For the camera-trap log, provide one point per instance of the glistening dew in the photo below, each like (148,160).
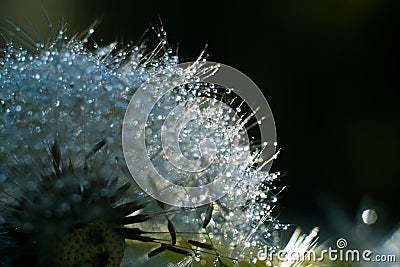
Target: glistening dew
(67,198)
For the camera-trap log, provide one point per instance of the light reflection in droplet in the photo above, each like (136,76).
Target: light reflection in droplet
(369,216)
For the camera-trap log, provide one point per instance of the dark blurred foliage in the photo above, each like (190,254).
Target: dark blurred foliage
(329,69)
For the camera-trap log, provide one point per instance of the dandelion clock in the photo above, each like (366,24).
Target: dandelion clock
(120,156)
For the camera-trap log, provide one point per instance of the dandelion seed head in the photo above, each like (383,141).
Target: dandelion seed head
(55,106)
(62,215)
(66,86)
(84,244)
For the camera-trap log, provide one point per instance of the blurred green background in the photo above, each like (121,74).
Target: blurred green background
(329,69)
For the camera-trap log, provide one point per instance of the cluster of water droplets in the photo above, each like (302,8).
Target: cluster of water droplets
(200,146)
(64,92)
(244,220)
(77,96)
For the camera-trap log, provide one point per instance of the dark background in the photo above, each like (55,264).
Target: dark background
(329,70)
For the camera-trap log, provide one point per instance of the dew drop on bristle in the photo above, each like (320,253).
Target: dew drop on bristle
(61,114)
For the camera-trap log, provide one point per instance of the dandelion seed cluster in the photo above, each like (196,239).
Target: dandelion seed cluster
(64,187)
(66,92)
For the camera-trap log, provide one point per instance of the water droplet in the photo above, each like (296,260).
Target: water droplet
(253,259)
(369,216)
(215,261)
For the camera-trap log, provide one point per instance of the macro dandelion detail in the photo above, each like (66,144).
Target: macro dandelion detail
(68,217)
(67,196)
